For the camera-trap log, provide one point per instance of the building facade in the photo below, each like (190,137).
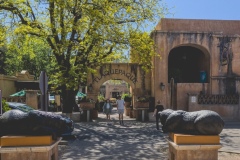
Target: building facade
(199,65)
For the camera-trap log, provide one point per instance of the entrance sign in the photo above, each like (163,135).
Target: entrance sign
(43,85)
(130,76)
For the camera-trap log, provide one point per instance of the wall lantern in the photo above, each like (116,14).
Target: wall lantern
(90,87)
(162,86)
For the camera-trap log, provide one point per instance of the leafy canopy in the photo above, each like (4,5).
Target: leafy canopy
(81,34)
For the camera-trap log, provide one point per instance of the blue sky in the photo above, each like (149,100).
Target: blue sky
(204,9)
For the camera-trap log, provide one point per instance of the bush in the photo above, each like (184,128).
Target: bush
(5,106)
(127,97)
(101,98)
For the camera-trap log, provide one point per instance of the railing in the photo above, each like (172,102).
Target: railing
(15,99)
(218,99)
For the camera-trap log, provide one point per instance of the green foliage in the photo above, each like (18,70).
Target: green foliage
(5,106)
(2,50)
(34,58)
(80,34)
(101,98)
(142,49)
(127,97)
(143,99)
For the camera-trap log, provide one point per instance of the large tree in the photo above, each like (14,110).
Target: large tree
(82,34)
(2,49)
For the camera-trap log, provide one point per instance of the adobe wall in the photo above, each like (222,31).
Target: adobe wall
(227,112)
(183,90)
(193,25)
(7,85)
(204,35)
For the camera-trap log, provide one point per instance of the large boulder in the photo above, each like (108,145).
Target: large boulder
(204,122)
(16,122)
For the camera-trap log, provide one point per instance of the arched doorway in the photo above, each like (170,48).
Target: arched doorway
(185,63)
(188,72)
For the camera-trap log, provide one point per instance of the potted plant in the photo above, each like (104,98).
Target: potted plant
(101,100)
(142,102)
(127,99)
(87,103)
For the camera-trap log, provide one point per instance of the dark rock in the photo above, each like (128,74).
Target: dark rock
(16,122)
(204,122)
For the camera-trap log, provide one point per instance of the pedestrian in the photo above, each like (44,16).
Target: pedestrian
(107,108)
(159,107)
(120,109)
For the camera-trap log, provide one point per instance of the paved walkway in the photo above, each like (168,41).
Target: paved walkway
(103,139)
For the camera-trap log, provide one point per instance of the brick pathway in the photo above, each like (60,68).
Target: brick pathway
(103,140)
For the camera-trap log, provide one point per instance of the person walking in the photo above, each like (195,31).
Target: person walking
(107,108)
(159,107)
(120,109)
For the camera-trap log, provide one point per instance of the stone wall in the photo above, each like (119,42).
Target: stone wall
(183,90)
(7,85)
(226,111)
(192,25)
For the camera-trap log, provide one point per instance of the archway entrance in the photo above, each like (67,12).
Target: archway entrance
(131,73)
(111,90)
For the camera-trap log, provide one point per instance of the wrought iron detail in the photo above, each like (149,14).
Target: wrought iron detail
(218,99)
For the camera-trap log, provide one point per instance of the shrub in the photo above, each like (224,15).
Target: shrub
(127,97)
(5,106)
(143,99)
(101,98)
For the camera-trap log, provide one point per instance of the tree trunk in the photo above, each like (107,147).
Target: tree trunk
(69,102)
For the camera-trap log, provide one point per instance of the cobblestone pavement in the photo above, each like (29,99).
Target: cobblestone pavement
(103,139)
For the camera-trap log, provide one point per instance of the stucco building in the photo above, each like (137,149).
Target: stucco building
(198,69)
(199,65)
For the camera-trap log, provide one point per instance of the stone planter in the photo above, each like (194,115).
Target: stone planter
(127,104)
(134,113)
(94,114)
(87,105)
(131,113)
(128,110)
(141,105)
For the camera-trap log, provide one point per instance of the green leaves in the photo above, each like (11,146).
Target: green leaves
(80,35)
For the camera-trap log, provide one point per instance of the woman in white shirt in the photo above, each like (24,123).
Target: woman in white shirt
(120,108)
(107,108)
